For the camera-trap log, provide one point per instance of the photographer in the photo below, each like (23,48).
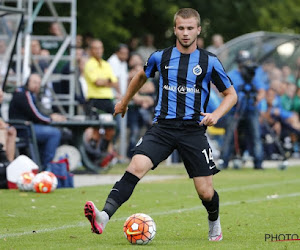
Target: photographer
(245,115)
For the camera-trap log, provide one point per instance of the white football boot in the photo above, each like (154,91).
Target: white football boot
(215,231)
(98,219)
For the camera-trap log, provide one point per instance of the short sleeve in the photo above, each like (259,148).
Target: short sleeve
(219,76)
(150,66)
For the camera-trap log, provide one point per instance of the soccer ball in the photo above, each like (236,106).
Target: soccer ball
(54,180)
(139,229)
(24,182)
(42,183)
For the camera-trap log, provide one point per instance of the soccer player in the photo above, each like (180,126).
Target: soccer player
(180,120)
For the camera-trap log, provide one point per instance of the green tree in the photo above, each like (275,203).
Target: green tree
(117,21)
(105,20)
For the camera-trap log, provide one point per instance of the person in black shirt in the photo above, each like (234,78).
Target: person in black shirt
(24,106)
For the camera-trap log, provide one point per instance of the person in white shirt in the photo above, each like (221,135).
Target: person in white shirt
(118,62)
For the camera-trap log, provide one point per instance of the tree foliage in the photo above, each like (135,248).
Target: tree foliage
(117,21)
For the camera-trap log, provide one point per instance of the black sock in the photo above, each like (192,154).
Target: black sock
(120,193)
(212,207)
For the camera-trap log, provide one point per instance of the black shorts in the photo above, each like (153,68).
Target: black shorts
(104,105)
(188,138)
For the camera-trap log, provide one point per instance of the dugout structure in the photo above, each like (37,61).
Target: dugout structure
(281,48)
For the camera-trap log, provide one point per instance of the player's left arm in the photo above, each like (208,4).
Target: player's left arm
(224,85)
(229,100)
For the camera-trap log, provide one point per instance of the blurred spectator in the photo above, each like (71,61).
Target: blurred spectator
(118,62)
(298,72)
(250,93)
(88,37)
(133,44)
(79,41)
(287,74)
(275,74)
(81,79)
(263,71)
(100,79)
(63,87)
(7,135)
(139,114)
(296,102)
(147,48)
(200,42)
(53,45)
(25,106)
(284,123)
(217,42)
(101,83)
(287,98)
(38,65)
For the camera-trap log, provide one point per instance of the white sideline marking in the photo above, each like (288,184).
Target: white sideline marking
(229,203)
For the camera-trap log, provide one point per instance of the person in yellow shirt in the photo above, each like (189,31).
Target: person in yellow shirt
(100,79)
(101,83)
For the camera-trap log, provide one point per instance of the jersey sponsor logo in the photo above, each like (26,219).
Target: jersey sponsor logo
(197,70)
(182,89)
(133,233)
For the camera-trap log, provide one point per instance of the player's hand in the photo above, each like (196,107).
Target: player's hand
(209,119)
(120,108)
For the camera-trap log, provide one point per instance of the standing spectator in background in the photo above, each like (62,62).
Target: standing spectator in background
(79,41)
(139,114)
(38,65)
(8,135)
(88,37)
(118,62)
(101,84)
(250,92)
(81,79)
(147,48)
(217,42)
(287,74)
(200,42)
(296,102)
(24,106)
(53,45)
(133,44)
(262,72)
(100,79)
(287,98)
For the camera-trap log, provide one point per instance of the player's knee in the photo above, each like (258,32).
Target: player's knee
(136,170)
(206,195)
(139,165)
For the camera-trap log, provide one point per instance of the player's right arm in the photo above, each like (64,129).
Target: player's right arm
(135,84)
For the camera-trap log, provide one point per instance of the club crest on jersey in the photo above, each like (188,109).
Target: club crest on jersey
(197,70)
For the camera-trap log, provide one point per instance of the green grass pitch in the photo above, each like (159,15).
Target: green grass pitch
(253,203)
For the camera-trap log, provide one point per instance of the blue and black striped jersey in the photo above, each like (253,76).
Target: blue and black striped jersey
(184,82)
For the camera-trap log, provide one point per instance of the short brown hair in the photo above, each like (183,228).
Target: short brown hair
(187,13)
